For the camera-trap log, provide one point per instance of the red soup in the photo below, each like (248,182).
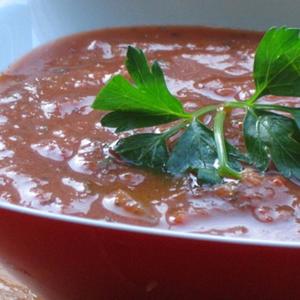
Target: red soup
(53,147)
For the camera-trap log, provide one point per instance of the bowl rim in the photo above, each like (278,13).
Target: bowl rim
(160,232)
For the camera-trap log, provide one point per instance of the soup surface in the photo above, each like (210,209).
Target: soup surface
(53,148)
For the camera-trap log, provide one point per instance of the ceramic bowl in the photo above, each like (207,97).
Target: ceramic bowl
(65,257)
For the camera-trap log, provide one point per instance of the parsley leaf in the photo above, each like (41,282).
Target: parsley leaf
(272,136)
(257,149)
(196,150)
(294,111)
(144,150)
(146,101)
(209,176)
(277,63)
(123,121)
(149,96)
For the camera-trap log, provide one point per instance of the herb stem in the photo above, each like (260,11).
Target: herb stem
(254,97)
(224,169)
(204,110)
(173,130)
(236,104)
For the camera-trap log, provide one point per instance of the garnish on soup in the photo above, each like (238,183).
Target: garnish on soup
(271,132)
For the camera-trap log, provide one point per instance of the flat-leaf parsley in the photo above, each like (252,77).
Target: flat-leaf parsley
(269,135)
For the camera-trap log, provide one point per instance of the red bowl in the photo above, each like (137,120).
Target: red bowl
(65,257)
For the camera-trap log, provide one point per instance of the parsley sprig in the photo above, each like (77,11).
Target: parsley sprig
(269,134)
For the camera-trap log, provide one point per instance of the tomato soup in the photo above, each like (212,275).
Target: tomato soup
(54,153)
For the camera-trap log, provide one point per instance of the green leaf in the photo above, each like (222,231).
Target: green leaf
(144,150)
(209,176)
(236,155)
(123,121)
(272,136)
(137,66)
(149,95)
(258,152)
(294,111)
(277,63)
(196,150)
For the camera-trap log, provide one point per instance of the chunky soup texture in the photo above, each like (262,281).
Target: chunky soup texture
(53,148)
